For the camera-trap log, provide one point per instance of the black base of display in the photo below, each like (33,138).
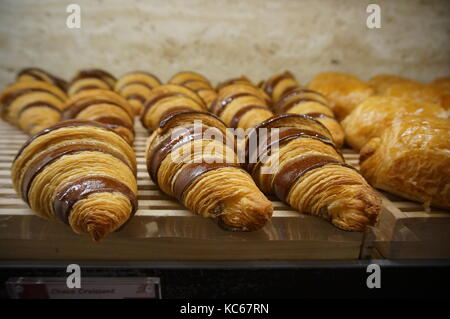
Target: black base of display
(262,279)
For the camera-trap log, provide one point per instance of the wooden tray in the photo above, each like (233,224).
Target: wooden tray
(163,230)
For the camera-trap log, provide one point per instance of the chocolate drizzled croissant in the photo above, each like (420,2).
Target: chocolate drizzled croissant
(36,74)
(168,99)
(189,158)
(32,105)
(303,101)
(103,106)
(197,83)
(308,172)
(240,104)
(277,85)
(80,172)
(89,79)
(136,87)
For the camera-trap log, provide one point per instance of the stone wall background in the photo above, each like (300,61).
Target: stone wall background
(222,39)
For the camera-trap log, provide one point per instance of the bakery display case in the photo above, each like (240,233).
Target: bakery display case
(158,145)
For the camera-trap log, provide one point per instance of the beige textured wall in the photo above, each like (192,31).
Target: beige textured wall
(227,38)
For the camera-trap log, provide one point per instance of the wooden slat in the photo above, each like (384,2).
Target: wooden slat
(155,205)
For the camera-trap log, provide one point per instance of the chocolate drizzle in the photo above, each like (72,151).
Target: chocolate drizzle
(38,104)
(165,147)
(64,124)
(34,72)
(220,105)
(114,122)
(285,134)
(239,114)
(290,173)
(77,107)
(141,83)
(270,85)
(79,189)
(285,107)
(152,101)
(9,98)
(94,73)
(40,163)
(190,172)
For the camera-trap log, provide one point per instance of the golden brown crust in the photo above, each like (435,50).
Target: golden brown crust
(136,87)
(308,173)
(104,106)
(344,91)
(297,100)
(203,173)
(89,79)
(80,172)
(197,83)
(36,74)
(442,85)
(411,159)
(376,113)
(32,105)
(240,104)
(168,99)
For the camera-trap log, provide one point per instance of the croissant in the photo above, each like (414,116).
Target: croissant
(442,85)
(279,84)
(289,97)
(36,74)
(377,112)
(32,105)
(90,79)
(203,172)
(301,166)
(411,159)
(103,106)
(240,104)
(418,92)
(135,87)
(380,83)
(168,99)
(80,172)
(344,91)
(197,83)
(240,80)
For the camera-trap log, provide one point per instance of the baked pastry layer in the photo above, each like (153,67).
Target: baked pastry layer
(376,113)
(191,157)
(411,158)
(301,166)
(81,173)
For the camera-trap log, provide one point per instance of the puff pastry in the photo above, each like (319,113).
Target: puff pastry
(32,105)
(188,157)
(90,79)
(381,82)
(36,74)
(411,159)
(168,99)
(306,171)
(240,104)
(289,97)
(197,83)
(442,85)
(80,172)
(103,106)
(136,87)
(279,84)
(377,112)
(344,91)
